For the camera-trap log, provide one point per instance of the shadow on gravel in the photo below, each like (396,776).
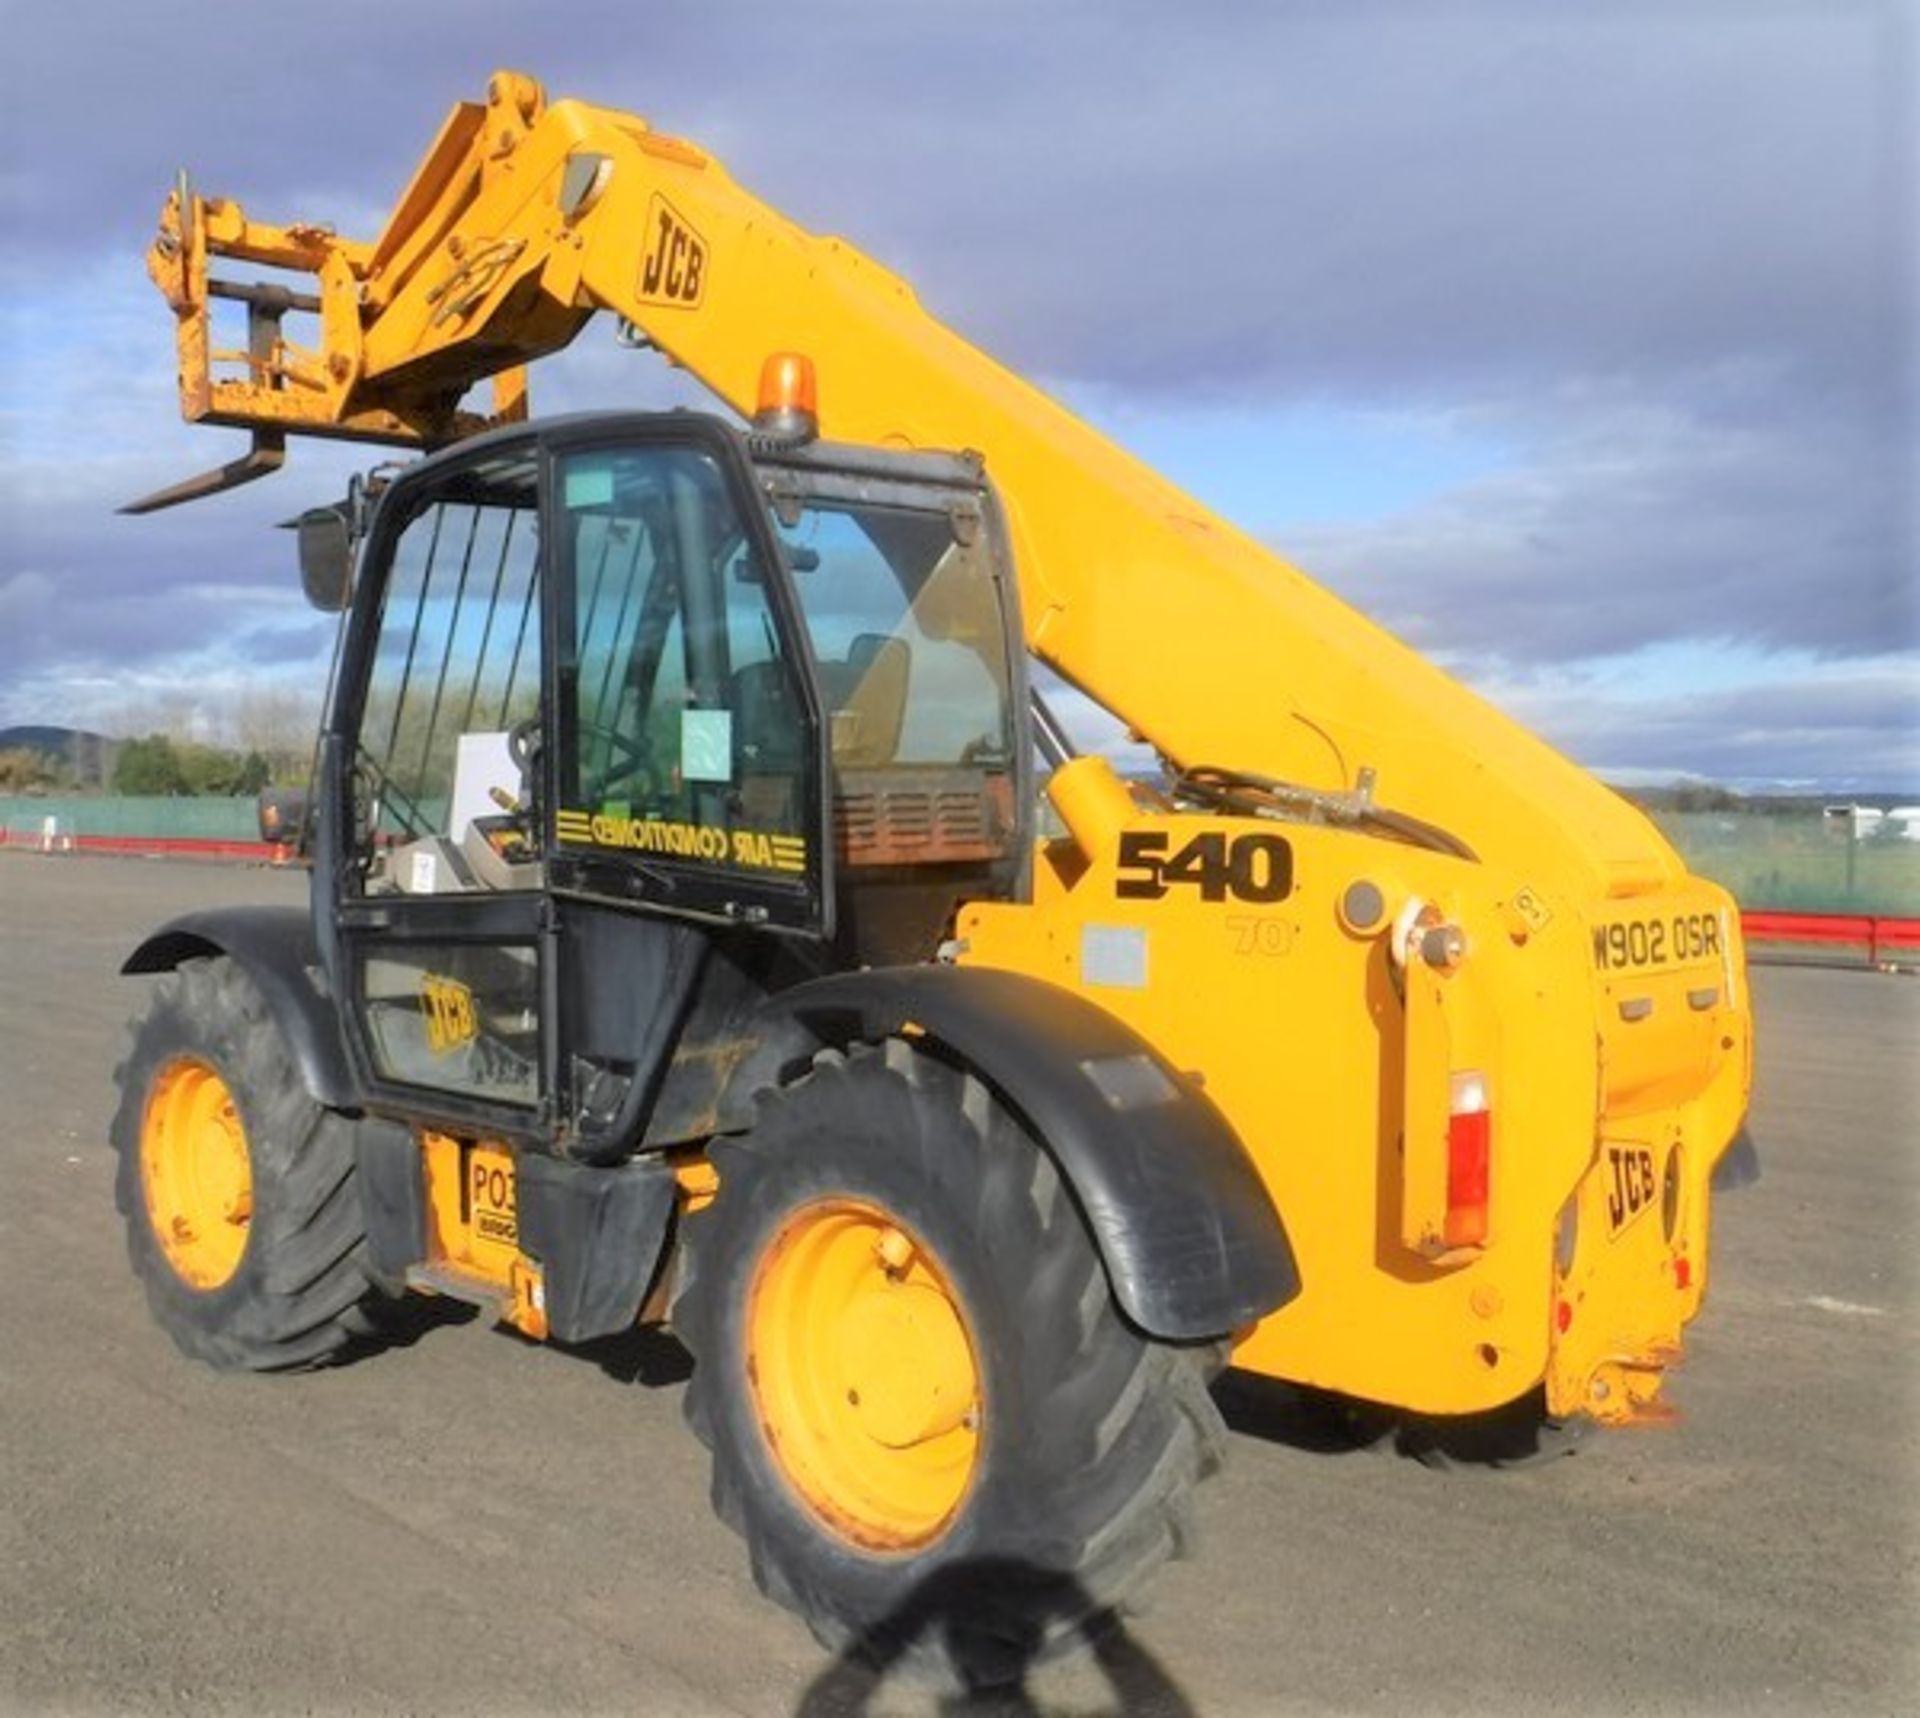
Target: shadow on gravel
(643,1355)
(1518,1435)
(403,1322)
(978,1656)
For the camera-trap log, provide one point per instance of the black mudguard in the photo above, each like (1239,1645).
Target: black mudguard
(598,1232)
(274,946)
(1192,1244)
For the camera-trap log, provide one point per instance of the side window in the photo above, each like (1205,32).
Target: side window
(911,646)
(683,728)
(907,629)
(456,666)
(463,1017)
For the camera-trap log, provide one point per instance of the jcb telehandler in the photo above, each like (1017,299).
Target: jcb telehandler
(683,947)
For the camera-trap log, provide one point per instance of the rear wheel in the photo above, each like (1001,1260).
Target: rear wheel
(937,1435)
(238,1190)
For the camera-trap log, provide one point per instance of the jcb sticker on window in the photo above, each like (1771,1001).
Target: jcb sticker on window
(1248,868)
(673,267)
(447,1007)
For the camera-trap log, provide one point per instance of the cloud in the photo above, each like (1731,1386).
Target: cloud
(1854,726)
(1636,524)
(1388,195)
(1664,255)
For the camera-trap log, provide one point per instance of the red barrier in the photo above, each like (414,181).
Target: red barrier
(159,847)
(1871,931)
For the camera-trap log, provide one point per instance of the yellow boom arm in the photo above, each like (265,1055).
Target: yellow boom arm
(525,218)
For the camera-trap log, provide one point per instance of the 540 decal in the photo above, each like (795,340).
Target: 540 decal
(1246,868)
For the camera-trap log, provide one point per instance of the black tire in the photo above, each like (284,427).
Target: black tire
(1093,1437)
(301,1292)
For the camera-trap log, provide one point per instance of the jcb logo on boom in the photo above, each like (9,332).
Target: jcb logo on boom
(673,269)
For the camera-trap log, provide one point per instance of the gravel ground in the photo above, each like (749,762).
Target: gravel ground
(476,1524)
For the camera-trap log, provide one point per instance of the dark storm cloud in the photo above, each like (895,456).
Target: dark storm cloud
(1638,527)
(82,585)
(1855,729)
(1204,199)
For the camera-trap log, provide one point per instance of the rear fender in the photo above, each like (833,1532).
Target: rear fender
(1192,1244)
(274,946)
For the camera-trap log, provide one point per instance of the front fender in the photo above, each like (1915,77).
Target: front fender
(1192,1244)
(274,946)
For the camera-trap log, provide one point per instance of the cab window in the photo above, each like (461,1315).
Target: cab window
(910,642)
(454,678)
(683,729)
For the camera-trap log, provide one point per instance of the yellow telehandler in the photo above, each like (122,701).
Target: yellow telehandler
(684,946)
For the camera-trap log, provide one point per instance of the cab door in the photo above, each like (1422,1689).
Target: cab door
(440,940)
(586,778)
(686,766)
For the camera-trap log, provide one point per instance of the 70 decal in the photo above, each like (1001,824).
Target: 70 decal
(1247,868)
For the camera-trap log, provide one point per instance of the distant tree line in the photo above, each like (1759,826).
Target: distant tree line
(270,733)
(161,767)
(1706,796)
(25,770)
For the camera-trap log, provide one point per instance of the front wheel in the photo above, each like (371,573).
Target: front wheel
(939,1438)
(239,1191)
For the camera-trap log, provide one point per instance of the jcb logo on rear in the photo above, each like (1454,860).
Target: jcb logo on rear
(1633,1185)
(674,267)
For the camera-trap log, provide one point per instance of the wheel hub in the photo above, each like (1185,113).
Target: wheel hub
(864,1374)
(907,1367)
(195,1174)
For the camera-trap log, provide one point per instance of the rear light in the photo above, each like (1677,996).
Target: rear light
(1469,1161)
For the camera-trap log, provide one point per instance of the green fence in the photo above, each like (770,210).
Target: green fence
(24,816)
(1799,863)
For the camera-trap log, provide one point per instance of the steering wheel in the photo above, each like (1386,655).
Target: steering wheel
(523,747)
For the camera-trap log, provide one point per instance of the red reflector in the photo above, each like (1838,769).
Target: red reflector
(1469,1155)
(1563,1316)
(1682,1273)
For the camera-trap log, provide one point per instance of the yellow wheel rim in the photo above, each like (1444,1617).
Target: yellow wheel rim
(863,1371)
(195,1174)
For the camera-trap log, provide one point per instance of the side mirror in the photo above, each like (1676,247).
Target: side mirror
(326,559)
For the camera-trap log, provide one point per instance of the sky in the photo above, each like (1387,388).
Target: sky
(1573,344)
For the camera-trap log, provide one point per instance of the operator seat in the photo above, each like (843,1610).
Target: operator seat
(866,706)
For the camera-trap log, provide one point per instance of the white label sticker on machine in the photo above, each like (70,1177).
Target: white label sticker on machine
(1114,955)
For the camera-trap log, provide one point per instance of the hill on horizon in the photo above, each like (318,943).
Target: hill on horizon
(81,753)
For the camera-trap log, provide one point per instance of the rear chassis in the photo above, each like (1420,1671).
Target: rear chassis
(1332,1054)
